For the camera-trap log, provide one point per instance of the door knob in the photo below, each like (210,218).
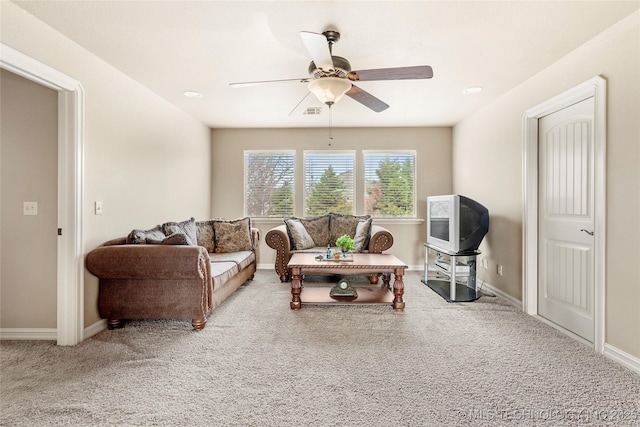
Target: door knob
(590,233)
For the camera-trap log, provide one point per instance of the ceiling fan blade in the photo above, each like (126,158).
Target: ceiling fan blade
(299,102)
(318,48)
(399,73)
(366,99)
(243,84)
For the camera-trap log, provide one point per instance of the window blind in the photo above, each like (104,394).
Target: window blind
(389,183)
(269,185)
(329,182)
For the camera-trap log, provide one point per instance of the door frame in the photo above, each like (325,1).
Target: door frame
(594,87)
(70,246)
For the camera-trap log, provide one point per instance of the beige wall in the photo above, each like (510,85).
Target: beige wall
(29,152)
(433,172)
(146,160)
(488,165)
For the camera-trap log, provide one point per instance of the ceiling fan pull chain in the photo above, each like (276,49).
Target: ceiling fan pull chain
(330,126)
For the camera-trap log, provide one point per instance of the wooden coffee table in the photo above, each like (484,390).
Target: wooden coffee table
(363,264)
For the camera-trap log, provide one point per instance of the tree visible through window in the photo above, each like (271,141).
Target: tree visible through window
(329,182)
(269,183)
(389,183)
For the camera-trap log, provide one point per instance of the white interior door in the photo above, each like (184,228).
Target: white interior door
(566,266)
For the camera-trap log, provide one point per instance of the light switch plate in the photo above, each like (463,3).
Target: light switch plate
(30,208)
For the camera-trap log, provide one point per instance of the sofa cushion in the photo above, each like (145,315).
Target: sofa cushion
(154,235)
(242,259)
(222,272)
(300,238)
(205,235)
(188,228)
(318,229)
(363,233)
(344,224)
(232,236)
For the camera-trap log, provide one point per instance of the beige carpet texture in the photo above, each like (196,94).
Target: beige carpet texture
(259,363)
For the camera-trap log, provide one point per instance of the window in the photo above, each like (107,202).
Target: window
(389,183)
(268,183)
(329,182)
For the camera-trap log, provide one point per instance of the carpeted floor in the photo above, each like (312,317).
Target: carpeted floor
(258,363)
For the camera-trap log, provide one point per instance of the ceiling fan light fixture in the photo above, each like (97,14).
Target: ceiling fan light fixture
(329,90)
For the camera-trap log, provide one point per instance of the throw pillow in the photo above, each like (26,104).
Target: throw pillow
(175,239)
(187,228)
(299,235)
(344,224)
(363,233)
(232,236)
(154,235)
(318,229)
(205,235)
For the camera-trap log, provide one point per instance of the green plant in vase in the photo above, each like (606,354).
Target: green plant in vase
(345,243)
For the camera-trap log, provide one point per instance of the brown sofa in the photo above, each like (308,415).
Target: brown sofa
(324,230)
(159,274)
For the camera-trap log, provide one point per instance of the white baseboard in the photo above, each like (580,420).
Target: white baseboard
(90,331)
(625,359)
(45,334)
(490,289)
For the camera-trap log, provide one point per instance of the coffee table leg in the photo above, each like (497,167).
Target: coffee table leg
(296,288)
(398,290)
(386,278)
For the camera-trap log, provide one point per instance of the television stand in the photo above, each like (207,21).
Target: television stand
(452,275)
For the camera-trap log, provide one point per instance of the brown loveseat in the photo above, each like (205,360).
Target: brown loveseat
(321,231)
(173,271)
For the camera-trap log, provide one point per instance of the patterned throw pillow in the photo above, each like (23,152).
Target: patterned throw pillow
(232,236)
(140,237)
(363,233)
(175,239)
(299,235)
(204,235)
(344,224)
(318,229)
(187,228)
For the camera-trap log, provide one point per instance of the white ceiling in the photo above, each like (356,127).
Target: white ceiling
(174,46)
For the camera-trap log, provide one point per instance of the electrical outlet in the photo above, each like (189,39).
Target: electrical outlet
(485,263)
(499,270)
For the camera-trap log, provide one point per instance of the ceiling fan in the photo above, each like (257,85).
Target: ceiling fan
(331,77)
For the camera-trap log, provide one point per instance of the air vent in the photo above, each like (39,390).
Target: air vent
(312,111)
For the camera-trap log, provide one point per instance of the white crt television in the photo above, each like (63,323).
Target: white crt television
(456,223)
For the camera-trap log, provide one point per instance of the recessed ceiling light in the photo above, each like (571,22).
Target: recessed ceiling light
(192,94)
(470,90)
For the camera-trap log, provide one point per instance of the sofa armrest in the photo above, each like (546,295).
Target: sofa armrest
(381,239)
(148,262)
(278,239)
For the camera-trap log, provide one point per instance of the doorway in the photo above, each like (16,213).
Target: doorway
(547,257)
(566,217)
(70,250)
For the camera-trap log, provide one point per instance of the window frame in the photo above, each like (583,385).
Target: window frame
(289,152)
(411,152)
(328,153)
